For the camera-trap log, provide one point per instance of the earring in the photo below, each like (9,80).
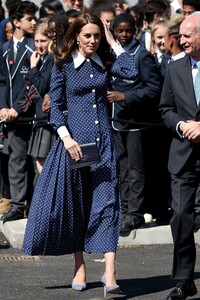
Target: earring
(77,42)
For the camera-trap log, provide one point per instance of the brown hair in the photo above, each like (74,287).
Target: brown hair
(69,42)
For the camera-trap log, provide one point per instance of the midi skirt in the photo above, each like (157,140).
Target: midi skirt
(75,210)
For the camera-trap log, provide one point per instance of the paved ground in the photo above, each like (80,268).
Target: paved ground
(143,273)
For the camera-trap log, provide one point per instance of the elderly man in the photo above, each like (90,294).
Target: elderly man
(180,112)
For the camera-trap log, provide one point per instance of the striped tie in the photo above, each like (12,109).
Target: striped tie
(18,45)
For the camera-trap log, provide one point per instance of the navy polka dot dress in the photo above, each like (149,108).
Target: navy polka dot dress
(79,210)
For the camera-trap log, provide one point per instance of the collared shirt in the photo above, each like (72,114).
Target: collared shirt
(129,46)
(178,56)
(194,68)
(15,41)
(78,59)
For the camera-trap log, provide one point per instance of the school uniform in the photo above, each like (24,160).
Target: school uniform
(15,65)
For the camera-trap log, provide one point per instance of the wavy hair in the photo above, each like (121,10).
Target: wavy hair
(69,42)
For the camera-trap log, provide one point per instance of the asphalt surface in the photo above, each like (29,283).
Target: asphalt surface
(143,272)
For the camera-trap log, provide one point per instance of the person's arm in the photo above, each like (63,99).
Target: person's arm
(167,107)
(41,79)
(3,80)
(57,118)
(146,87)
(150,88)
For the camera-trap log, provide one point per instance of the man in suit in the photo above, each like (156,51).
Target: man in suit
(134,100)
(16,103)
(180,112)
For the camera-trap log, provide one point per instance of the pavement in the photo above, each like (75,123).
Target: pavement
(149,234)
(143,273)
(143,263)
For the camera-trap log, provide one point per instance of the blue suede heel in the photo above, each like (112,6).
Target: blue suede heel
(79,287)
(112,289)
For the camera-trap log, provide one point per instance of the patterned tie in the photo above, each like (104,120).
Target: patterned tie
(197,84)
(18,45)
(17,48)
(170,60)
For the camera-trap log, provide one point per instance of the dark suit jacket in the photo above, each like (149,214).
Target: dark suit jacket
(12,75)
(177,104)
(142,93)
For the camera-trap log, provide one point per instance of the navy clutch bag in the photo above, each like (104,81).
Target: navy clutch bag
(90,156)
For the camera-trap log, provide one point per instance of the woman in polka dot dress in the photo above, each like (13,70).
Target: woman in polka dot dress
(79,210)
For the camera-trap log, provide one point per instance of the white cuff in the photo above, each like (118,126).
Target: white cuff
(117,48)
(62,132)
(178,131)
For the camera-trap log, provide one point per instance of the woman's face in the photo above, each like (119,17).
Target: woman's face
(159,38)
(41,43)
(9,31)
(51,32)
(89,39)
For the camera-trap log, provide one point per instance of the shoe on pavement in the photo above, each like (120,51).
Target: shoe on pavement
(131,222)
(184,289)
(12,215)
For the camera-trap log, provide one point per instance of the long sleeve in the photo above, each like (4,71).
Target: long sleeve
(41,79)
(57,94)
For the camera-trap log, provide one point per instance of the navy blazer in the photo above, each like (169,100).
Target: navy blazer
(12,77)
(142,92)
(178,103)
(40,76)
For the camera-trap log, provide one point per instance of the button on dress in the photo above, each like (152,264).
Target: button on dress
(79,210)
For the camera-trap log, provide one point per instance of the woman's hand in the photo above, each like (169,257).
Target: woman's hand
(73,148)
(34,59)
(46,104)
(109,37)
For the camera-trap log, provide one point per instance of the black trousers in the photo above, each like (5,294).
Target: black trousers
(184,188)
(131,151)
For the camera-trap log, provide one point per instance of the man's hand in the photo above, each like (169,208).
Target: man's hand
(191,130)
(115,96)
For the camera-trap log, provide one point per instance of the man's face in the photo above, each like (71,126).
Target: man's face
(76,4)
(188,10)
(26,24)
(190,36)
(124,33)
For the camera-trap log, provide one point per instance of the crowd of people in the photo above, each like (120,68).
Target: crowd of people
(124,79)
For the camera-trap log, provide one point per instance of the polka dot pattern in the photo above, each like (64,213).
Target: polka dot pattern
(75,210)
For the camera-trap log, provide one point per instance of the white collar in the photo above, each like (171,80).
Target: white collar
(178,56)
(15,41)
(78,59)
